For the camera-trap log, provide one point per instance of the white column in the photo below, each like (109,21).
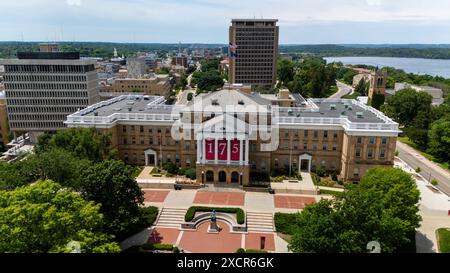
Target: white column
(216,149)
(228,152)
(241,156)
(199,150)
(203,151)
(247,150)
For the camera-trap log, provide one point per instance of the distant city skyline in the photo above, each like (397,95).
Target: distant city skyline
(207,21)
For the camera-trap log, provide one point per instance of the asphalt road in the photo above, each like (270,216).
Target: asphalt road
(429,169)
(343,90)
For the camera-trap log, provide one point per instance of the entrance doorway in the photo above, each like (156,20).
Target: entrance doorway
(234,177)
(151,160)
(209,176)
(305,165)
(222,177)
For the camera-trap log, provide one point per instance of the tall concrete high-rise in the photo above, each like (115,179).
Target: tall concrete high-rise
(253,51)
(43,88)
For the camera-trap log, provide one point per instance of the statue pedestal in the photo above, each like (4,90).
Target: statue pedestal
(213,228)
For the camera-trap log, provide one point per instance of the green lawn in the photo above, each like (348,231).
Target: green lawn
(408,142)
(352,96)
(444,240)
(333,90)
(330,192)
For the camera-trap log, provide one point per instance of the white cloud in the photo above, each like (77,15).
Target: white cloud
(73,2)
(373,2)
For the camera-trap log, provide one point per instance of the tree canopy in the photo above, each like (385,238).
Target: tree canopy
(382,208)
(44,217)
(111,184)
(84,143)
(311,77)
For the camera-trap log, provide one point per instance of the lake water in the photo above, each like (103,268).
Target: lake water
(411,65)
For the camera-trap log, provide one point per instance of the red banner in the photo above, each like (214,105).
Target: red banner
(210,150)
(223,149)
(235,150)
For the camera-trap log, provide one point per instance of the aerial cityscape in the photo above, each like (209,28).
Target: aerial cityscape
(251,143)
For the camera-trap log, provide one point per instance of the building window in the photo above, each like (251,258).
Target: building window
(133,140)
(305,146)
(382,153)
(286,145)
(305,133)
(384,140)
(325,134)
(125,141)
(372,140)
(286,134)
(188,163)
(358,152)
(187,146)
(356,173)
(124,129)
(314,146)
(276,163)
(325,147)
(316,134)
(132,128)
(359,140)
(335,135)
(334,147)
(370,153)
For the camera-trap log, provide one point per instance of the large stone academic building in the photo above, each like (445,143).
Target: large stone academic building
(230,135)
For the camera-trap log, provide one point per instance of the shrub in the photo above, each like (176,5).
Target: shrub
(285,222)
(240,250)
(191,174)
(171,168)
(182,171)
(334,176)
(157,247)
(255,251)
(240,215)
(190,96)
(396,153)
(418,170)
(434,182)
(321,172)
(315,178)
(175,250)
(149,215)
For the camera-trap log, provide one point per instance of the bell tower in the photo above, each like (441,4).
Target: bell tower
(377,83)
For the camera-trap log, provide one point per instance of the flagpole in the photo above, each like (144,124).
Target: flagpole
(290,160)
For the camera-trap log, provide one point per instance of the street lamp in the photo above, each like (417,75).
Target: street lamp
(203,177)
(240,178)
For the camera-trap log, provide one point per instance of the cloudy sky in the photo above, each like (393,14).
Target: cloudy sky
(207,21)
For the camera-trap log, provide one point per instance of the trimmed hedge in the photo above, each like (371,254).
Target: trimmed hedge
(149,215)
(241,250)
(285,222)
(240,215)
(157,247)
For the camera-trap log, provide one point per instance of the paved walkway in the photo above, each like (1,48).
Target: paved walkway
(434,206)
(257,201)
(220,198)
(429,169)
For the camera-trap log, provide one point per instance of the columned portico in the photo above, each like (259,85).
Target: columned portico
(305,163)
(151,158)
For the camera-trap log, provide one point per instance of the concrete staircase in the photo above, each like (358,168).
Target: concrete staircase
(260,221)
(171,217)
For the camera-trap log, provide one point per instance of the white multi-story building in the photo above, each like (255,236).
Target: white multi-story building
(42,88)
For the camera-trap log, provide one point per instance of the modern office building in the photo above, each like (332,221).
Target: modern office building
(4,128)
(233,136)
(253,51)
(42,88)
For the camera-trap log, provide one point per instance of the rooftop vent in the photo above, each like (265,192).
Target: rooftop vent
(333,107)
(96,114)
(359,114)
(130,103)
(350,108)
(241,102)
(215,102)
(130,109)
(117,109)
